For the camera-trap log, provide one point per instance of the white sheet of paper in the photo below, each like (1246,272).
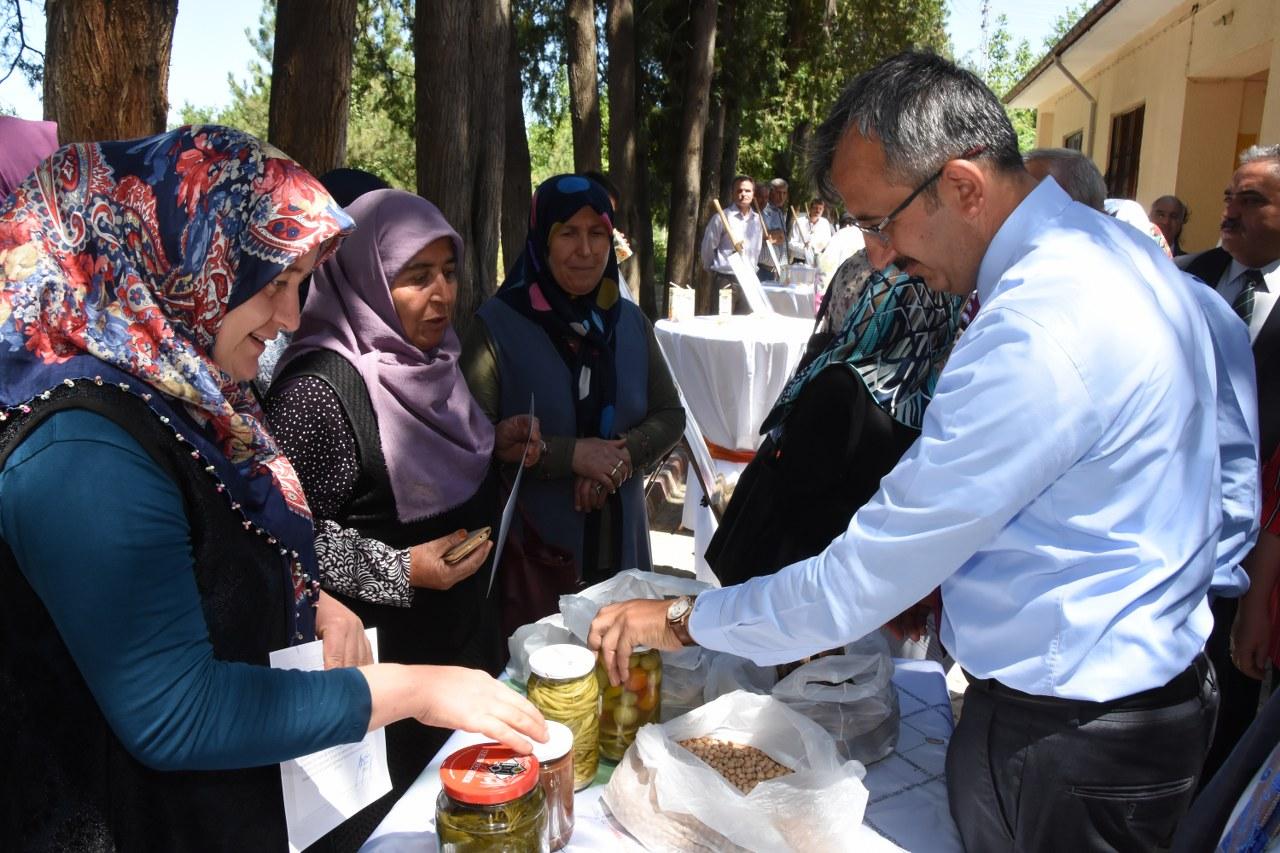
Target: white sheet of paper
(746,275)
(323,789)
(504,526)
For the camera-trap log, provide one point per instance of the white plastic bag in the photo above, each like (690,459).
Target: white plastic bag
(579,609)
(670,800)
(852,697)
(527,639)
(683,672)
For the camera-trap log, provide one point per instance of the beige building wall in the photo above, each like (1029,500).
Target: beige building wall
(1201,73)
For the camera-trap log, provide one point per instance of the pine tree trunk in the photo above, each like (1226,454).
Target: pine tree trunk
(106,67)
(620,29)
(460,118)
(492,26)
(685,189)
(652,298)
(311,81)
(732,140)
(517,186)
(584,97)
(712,148)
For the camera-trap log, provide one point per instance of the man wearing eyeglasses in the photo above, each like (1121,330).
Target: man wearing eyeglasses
(1065,491)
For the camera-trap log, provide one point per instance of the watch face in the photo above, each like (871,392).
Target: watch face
(678,608)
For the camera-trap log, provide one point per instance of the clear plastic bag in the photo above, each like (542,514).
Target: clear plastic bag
(670,800)
(683,672)
(852,697)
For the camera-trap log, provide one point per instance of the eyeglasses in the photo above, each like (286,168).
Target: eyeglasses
(878,230)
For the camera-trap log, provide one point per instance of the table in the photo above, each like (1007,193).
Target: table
(732,369)
(792,300)
(907,808)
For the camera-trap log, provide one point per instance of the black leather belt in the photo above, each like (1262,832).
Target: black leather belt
(1183,686)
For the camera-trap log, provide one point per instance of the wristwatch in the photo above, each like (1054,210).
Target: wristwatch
(678,613)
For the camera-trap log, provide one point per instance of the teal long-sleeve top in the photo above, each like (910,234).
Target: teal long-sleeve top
(99,531)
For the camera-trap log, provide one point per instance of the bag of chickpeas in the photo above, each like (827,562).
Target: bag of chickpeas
(744,772)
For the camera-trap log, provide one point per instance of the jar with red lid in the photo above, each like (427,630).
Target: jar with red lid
(490,800)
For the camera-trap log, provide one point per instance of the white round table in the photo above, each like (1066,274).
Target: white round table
(792,301)
(732,369)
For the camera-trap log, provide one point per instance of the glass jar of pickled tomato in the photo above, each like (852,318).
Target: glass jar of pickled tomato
(631,704)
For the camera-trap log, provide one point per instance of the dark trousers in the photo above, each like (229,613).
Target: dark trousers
(1240,693)
(1033,773)
(722,281)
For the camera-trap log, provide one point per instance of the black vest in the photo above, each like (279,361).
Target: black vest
(457,626)
(70,784)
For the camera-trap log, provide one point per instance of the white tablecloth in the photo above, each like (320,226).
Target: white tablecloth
(907,808)
(732,369)
(797,301)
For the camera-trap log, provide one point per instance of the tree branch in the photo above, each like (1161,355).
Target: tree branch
(22,45)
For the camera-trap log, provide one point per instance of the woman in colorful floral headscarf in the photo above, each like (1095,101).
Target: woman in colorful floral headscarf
(154,543)
(840,424)
(558,332)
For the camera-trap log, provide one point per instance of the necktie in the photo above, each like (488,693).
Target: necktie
(1243,303)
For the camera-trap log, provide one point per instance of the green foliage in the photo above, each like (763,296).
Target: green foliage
(1007,64)
(551,134)
(791,60)
(380,130)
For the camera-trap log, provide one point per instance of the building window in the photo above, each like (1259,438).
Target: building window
(1074,141)
(1126,146)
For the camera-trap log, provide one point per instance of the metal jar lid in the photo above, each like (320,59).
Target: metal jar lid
(487,774)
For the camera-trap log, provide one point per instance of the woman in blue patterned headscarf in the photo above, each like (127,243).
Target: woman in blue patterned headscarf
(154,544)
(841,423)
(557,330)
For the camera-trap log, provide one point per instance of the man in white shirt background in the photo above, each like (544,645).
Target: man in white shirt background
(777,218)
(810,235)
(1245,271)
(718,245)
(1066,491)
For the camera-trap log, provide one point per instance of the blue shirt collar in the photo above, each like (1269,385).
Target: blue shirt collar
(1045,202)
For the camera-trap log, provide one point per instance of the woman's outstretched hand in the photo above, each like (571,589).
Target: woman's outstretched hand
(452,697)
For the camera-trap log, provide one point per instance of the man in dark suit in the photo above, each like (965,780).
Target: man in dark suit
(1246,272)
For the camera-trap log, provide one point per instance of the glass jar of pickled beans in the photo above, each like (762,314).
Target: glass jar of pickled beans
(631,704)
(563,686)
(490,800)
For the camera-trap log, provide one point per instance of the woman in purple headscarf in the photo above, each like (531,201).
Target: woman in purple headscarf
(23,144)
(394,455)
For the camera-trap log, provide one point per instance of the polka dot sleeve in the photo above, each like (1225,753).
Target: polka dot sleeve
(312,429)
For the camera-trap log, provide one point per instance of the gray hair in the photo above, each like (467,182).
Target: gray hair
(778,184)
(1075,173)
(923,110)
(1254,153)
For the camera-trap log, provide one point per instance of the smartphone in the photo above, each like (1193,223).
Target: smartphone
(474,540)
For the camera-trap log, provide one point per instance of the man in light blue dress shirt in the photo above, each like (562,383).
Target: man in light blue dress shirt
(1066,491)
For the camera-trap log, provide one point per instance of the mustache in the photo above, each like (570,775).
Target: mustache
(1229,224)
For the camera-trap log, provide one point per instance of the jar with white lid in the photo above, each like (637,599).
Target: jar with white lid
(563,686)
(555,760)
